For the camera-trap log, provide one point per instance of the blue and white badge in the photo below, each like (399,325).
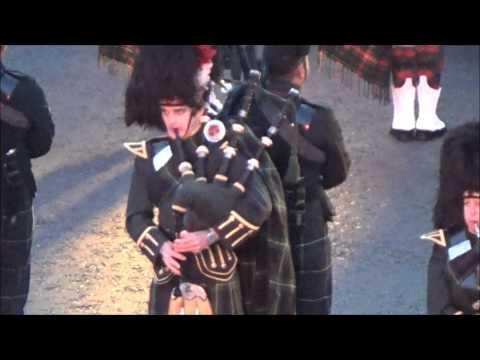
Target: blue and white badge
(214,131)
(459,249)
(160,159)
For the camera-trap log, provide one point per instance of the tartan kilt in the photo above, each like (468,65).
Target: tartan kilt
(375,64)
(413,62)
(15,250)
(314,278)
(225,297)
(311,252)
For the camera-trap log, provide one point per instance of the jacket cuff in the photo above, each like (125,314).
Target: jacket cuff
(235,230)
(150,243)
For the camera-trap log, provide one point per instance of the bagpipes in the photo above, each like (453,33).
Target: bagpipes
(284,124)
(216,199)
(196,190)
(239,60)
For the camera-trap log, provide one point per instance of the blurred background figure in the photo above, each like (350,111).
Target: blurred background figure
(27,133)
(416,71)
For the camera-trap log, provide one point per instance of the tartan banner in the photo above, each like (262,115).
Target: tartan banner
(370,63)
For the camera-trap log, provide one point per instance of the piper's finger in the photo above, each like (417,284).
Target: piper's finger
(182,245)
(177,255)
(172,268)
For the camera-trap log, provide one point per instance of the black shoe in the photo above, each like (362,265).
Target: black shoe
(424,135)
(402,135)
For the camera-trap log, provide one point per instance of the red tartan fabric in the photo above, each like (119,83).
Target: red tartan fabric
(123,54)
(417,61)
(376,63)
(370,63)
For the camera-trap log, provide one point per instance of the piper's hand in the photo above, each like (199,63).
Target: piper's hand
(194,242)
(169,255)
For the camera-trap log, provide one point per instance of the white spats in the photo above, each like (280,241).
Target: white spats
(427,102)
(404,107)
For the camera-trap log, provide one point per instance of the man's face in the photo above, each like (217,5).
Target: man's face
(471,213)
(302,73)
(180,119)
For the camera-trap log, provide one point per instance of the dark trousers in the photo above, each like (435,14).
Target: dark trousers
(16,244)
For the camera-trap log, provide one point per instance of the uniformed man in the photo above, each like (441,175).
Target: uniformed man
(220,243)
(311,158)
(27,133)
(454,268)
